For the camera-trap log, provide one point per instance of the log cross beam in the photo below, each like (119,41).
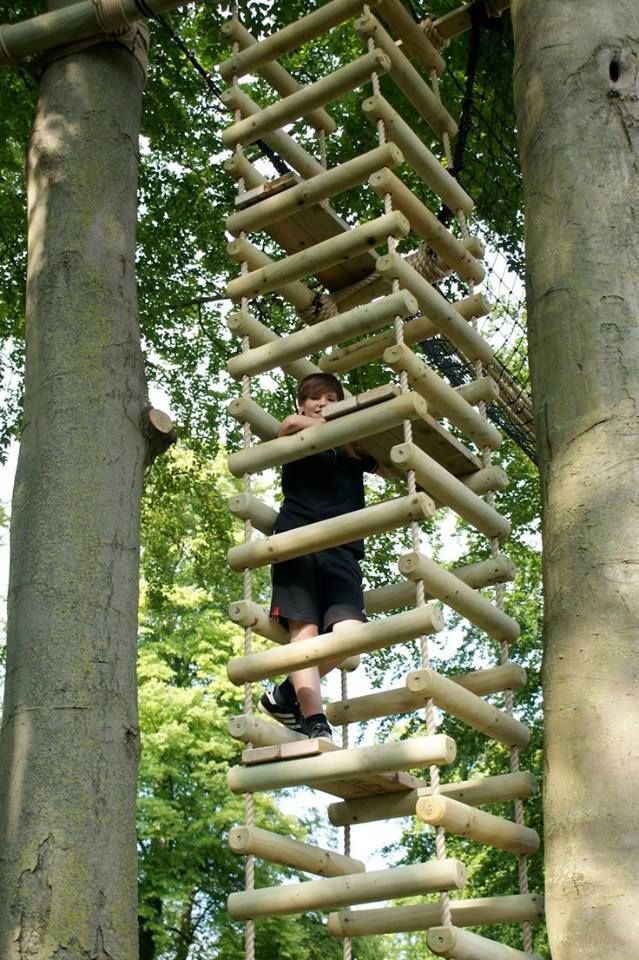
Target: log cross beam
(80,21)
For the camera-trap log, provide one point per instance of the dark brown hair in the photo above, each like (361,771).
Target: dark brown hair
(317,383)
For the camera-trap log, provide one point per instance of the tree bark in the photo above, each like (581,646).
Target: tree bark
(577,102)
(69,742)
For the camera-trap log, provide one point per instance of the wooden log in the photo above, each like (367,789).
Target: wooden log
(278,274)
(423,162)
(72,24)
(249,728)
(275,848)
(477,792)
(407,78)
(324,534)
(288,149)
(450,590)
(450,491)
(247,613)
(244,324)
(243,251)
(318,94)
(416,330)
(484,911)
(247,507)
(274,74)
(422,685)
(507,676)
(248,411)
(451,250)
(321,187)
(442,313)
(341,891)
(464,945)
(324,436)
(362,638)
(415,40)
(368,398)
(393,596)
(342,764)
(442,397)
(490,478)
(468,707)
(334,330)
(465,821)
(288,38)
(484,389)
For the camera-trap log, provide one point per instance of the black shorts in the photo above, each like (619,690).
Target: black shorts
(322,588)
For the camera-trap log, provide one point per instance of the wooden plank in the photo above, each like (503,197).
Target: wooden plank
(311,226)
(289,751)
(264,190)
(361,400)
(433,439)
(370,785)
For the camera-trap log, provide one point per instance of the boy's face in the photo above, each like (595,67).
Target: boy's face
(314,405)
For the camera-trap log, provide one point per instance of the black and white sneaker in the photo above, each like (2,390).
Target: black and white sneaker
(317,727)
(274,703)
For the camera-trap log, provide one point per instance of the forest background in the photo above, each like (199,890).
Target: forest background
(185,810)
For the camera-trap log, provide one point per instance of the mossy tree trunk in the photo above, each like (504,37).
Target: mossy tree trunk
(577,101)
(69,743)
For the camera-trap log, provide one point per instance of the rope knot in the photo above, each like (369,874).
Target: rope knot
(111,16)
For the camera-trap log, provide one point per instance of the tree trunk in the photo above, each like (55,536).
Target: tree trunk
(69,743)
(576,91)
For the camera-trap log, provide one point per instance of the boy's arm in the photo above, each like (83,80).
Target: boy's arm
(296,422)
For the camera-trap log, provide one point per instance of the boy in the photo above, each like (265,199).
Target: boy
(321,591)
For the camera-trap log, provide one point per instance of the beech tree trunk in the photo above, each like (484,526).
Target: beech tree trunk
(69,742)
(577,101)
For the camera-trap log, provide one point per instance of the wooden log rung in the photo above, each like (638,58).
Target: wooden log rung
(325,436)
(423,685)
(247,507)
(448,490)
(449,322)
(280,274)
(317,94)
(447,401)
(283,350)
(288,38)
(477,792)
(484,911)
(242,251)
(274,74)
(435,875)
(288,852)
(262,424)
(484,573)
(464,945)
(271,209)
(450,590)
(448,248)
(342,764)
(288,149)
(424,163)
(478,825)
(243,324)
(407,78)
(324,534)
(415,330)
(361,638)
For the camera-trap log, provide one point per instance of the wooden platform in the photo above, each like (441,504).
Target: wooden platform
(434,439)
(311,226)
(362,785)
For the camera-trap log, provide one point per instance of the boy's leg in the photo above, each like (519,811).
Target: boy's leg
(306,681)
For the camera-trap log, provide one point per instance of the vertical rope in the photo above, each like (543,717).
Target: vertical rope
(347,948)
(249,812)
(486,458)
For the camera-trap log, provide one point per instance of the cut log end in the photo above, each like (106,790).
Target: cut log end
(158,431)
